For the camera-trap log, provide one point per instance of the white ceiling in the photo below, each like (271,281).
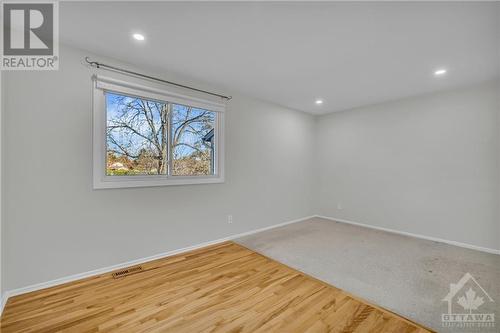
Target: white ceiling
(348,54)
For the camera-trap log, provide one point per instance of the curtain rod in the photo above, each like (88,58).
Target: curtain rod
(100,65)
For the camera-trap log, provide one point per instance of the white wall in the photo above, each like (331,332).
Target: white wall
(428,165)
(498,165)
(56,225)
(1,189)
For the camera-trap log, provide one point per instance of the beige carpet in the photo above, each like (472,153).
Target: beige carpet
(406,275)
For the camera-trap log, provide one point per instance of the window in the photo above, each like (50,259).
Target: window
(144,136)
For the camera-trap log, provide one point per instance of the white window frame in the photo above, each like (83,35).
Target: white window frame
(101,85)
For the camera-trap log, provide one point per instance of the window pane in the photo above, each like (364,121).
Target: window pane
(193,141)
(136,136)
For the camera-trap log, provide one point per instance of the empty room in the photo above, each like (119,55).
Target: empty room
(250,167)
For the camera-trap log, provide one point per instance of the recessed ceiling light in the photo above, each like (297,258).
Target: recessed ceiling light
(138,36)
(319,101)
(440,72)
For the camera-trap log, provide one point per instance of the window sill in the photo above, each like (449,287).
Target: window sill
(137,181)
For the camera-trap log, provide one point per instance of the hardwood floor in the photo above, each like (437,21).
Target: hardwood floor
(222,288)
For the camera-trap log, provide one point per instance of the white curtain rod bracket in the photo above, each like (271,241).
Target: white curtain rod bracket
(100,65)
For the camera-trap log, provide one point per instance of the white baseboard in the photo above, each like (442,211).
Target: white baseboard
(440,240)
(4,301)
(10,293)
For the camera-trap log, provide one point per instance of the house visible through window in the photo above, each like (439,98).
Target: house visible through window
(192,153)
(154,141)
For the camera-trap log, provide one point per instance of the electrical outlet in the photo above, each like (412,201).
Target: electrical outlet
(230,219)
(339,206)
